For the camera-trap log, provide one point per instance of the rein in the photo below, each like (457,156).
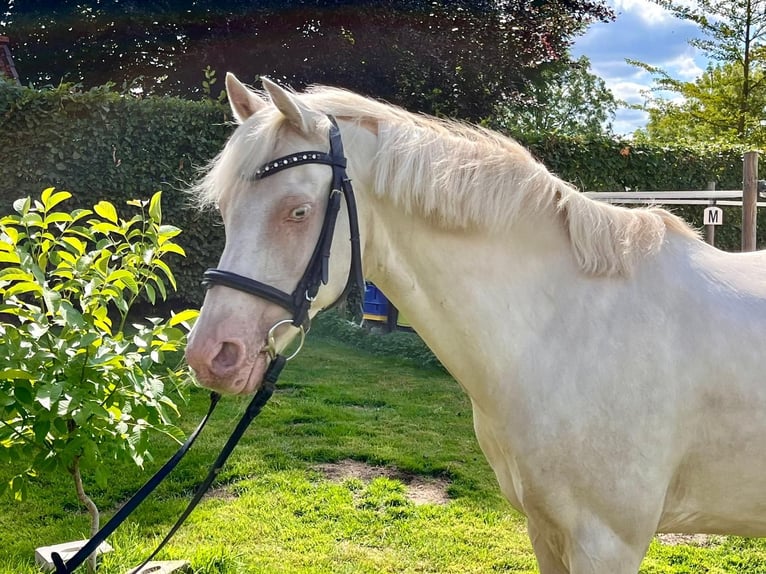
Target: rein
(297,303)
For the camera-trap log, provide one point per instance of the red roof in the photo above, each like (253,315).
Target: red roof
(6,61)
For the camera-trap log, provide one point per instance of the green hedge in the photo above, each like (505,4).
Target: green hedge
(604,164)
(401,344)
(101,144)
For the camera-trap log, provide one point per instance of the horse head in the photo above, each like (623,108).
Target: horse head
(279,184)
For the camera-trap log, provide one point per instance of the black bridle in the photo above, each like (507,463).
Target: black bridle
(317,271)
(298,303)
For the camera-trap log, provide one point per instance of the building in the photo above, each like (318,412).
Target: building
(7,68)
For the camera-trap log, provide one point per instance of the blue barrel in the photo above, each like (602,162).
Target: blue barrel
(375,303)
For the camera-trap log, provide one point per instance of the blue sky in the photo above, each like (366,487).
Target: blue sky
(646,32)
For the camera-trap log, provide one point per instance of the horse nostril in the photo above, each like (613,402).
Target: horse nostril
(228,358)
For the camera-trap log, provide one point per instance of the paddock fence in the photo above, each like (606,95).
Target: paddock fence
(746,198)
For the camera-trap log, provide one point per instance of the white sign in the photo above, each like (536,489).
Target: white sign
(713,215)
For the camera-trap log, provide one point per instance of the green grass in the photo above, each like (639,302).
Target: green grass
(274,512)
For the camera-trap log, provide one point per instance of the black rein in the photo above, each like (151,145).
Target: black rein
(297,303)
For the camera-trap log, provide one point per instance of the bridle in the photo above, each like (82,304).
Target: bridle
(316,274)
(297,303)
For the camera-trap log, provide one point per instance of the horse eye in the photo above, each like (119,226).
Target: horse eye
(300,212)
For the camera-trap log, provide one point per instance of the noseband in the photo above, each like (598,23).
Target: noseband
(317,271)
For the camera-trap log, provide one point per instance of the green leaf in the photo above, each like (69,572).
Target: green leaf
(32,219)
(101,475)
(123,277)
(15,274)
(166,270)
(49,394)
(80,213)
(19,488)
(60,425)
(22,205)
(106,210)
(74,243)
(160,287)
(14,374)
(105,228)
(155,208)
(171,248)
(71,315)
(40,429)
(24,287)
(150,293)
(51,200)
(168,232)
(183,316)
(24,395)
(57,217)
(6,257)
(52,299)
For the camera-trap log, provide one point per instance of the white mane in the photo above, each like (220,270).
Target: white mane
(460,176)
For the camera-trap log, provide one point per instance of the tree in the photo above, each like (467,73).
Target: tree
(79,386)
(449,57)
(734,36)
(710,111)
(567,99)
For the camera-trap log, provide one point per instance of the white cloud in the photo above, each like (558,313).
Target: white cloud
(683,66)
(645,32)
(630,92)
(649,12)
(628,120)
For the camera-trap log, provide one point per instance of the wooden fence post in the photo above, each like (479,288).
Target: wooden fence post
(710,229)
(749,199)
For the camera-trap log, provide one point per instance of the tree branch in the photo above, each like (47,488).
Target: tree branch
(90,505)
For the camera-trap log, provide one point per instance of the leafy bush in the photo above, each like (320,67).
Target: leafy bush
(112,146)
(79,385)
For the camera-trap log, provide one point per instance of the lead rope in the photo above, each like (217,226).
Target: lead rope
(252,411)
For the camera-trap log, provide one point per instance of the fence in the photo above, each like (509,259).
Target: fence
(747,198)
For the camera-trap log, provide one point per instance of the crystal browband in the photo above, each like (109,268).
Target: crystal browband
(292,160)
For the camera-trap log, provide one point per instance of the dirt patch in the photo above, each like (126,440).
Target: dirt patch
(420,490)
(221,493)
(703,540)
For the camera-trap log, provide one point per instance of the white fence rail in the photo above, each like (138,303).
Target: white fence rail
(701,197)
(746,198)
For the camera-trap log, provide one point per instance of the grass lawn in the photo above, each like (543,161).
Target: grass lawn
(275,510)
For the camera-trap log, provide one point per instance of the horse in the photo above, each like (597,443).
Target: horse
(611,356)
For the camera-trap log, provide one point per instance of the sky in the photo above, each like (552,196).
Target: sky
(645,32)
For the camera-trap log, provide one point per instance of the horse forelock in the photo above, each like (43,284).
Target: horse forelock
(249,147)
(459,176)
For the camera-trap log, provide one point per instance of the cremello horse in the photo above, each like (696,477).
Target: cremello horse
(613,359)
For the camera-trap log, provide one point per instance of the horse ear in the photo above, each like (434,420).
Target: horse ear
(244,102)
(301,117)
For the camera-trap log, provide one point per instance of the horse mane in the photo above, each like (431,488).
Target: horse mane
(460,176)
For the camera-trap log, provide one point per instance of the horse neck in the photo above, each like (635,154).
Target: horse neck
(458,288)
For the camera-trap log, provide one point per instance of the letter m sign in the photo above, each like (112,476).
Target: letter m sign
(713,215)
